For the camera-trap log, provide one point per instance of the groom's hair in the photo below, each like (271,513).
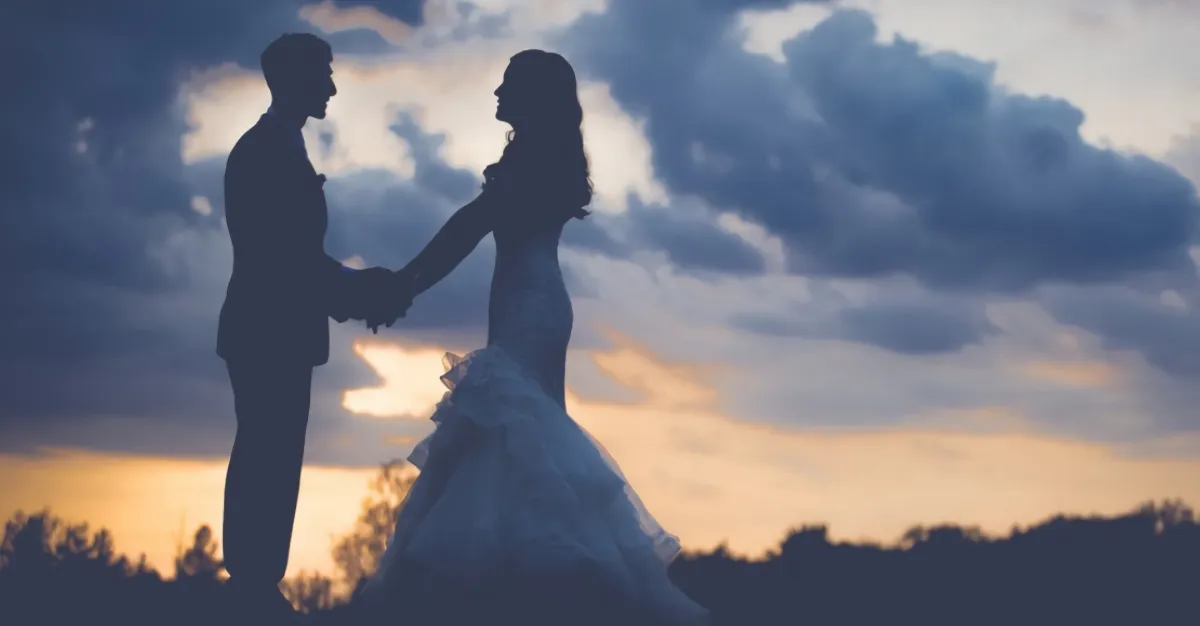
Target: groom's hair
(292,54)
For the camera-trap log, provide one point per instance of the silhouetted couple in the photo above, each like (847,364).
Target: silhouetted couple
(518,515)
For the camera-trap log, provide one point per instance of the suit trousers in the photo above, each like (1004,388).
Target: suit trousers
(262,484)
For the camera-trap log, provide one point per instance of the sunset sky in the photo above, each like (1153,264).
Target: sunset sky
(866,262)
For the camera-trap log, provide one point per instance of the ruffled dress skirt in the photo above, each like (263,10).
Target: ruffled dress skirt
(520,516)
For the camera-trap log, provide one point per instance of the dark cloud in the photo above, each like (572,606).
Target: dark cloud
(1125,319)
(912,322)
(1160,325)
(866,158)
(102,316)
(595,234)
(916,330)
(119,280)
(1004,188)
(870,159)
(691,238)
(91,154)
(91,133)
(685,231)
(387,221)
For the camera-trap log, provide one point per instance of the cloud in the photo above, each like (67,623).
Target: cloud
(864,292)
(1184,154)
(914,329)
(870,159)
(172,376)
(332,19)
(119,251)
(115,271)
(809,372)
(691,238)
(1167,336)
(896,316)
(713,478)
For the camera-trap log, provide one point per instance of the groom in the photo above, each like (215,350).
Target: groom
(273,329)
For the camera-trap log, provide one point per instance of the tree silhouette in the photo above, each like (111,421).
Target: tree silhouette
(357,554)
(41,543)
(1127,570)
(311,592)
(199,561)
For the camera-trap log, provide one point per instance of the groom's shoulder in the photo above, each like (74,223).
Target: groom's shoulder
(256,143)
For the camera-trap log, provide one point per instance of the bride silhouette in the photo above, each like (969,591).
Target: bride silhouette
(518,515)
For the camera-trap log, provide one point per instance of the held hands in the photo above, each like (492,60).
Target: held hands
(380,297)
(393,301)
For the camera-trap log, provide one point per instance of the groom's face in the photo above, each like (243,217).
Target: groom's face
(306,88)
(315,88)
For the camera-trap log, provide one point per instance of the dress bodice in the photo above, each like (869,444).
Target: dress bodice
(530,313)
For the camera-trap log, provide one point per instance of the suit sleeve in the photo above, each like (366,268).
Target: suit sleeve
(337,294)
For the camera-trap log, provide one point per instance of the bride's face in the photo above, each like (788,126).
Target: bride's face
(509,98)
(501,99)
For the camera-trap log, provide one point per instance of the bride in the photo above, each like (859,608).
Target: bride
(518,515)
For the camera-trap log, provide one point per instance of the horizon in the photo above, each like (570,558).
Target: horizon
(167,498)
(312,561)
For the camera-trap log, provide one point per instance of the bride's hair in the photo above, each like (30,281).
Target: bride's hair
(545,147)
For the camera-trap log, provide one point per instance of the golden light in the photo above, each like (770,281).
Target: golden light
(411,386)
(1073,373)
(707,476)
(713,478)
(152,505)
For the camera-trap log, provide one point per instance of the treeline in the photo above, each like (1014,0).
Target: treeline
(1132,569)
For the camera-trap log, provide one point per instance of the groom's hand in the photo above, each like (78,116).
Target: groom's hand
(363,290)
(373,279)
(395,300)
(388,319)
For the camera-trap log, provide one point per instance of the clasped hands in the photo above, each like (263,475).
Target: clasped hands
(379,296)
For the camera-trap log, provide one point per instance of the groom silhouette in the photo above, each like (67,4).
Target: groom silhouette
(273,329)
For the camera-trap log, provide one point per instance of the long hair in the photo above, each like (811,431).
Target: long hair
(546,147)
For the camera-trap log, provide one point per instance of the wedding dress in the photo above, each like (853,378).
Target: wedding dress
(513,494)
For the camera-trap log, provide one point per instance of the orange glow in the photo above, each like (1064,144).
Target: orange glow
(707,476)
(411,381)
(1073,373)
(150,504)
(711,478)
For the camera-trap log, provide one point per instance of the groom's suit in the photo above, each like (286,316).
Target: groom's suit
(273,330)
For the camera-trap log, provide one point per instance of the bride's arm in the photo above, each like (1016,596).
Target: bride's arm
(456,239)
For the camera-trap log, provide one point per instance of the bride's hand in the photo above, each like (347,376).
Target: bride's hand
(403,291)
(395,298)
(405,285)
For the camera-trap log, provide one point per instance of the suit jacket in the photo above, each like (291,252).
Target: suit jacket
(284,286)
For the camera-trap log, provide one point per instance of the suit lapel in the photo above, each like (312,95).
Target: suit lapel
(309,183)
